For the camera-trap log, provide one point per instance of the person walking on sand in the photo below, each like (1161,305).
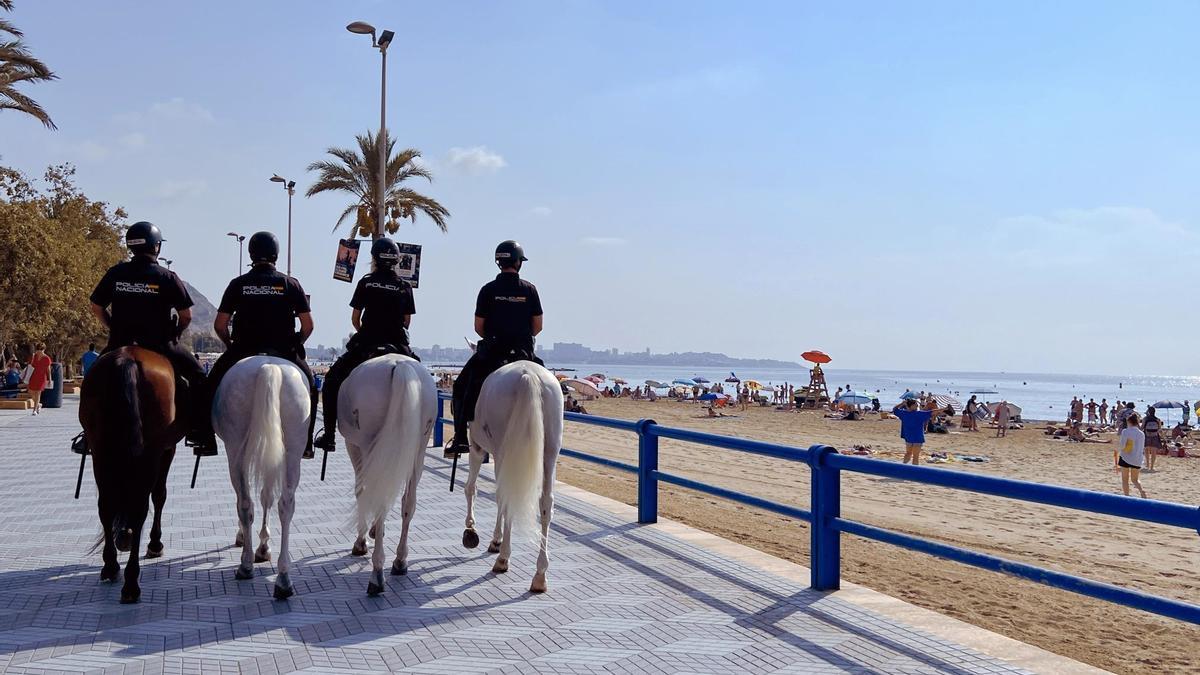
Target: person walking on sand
(1187,411)
(912,428)
(1130,454)
(40,376)
(1002,417)
(1103,411)
(1152,426)
(1091,408)
(969,412)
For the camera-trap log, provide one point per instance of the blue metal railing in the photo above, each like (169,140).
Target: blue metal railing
(825,507)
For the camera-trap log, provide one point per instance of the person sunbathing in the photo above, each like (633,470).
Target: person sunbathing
(1078,436)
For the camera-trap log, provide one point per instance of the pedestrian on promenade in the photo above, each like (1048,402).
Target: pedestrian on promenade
(89,357)
(912,428)
(40,363)
(1131,454)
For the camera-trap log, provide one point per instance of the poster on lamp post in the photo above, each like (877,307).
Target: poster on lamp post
(409,265)
(347,258)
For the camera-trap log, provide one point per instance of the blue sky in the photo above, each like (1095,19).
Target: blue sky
(934,185)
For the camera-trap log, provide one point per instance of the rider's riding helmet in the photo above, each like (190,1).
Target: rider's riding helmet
(385,252)
(264,247)
(143,237)
(510,254)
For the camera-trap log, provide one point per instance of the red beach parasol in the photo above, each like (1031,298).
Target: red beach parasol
(816,356)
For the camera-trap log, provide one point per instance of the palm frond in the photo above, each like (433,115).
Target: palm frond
(11,99)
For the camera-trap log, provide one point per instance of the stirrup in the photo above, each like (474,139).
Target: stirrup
(201,446)
(79,444)
(454,448)
(320,441)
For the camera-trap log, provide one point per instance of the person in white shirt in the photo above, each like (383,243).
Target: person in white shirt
(1131,454)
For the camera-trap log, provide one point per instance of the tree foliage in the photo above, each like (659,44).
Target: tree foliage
(356,171)
(57,244)
(19,66)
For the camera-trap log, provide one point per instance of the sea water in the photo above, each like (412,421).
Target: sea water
(1041,396)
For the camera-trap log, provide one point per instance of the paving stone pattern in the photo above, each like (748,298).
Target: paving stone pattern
(622,598)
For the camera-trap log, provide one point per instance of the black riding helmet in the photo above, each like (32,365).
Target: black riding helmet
(264,247)
(143,237)
(385,252)
(510,254)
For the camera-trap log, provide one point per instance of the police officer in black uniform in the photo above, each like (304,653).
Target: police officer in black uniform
(264,304)
(383,308)
(508,314)
(134,300)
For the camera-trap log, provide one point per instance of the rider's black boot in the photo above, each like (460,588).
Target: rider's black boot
(458,445)
(202,442)
(327,439)
(79,444)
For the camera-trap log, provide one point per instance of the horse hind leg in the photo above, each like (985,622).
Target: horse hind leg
(409,506)
(375,586)
(470,536)
(263,552)
(111,568)
(287,508)
(158,496)
(131,592)
(543,561)
(245,511)
(501,565)
(359,548)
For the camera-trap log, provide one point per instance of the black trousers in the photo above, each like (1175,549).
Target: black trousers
(187,367)
(489,356)
(238,352)
(341,369)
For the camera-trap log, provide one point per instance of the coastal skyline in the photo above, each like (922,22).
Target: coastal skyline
(941,187)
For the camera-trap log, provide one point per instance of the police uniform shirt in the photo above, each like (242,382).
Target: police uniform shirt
(507,305)
(384,299)
(265,303)
(142,294)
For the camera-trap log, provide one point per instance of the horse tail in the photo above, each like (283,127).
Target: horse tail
(388,467)
(130,372)
(264,452)
(520,456)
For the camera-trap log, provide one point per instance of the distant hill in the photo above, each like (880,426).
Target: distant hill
(200,332)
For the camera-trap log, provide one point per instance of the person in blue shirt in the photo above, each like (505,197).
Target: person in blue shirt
(89,357)
(912,428)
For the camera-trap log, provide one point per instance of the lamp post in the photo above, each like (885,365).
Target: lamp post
(290,186)
(168,261)
(381,43)
(239,238)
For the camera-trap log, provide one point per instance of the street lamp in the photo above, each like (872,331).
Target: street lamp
(290,186)
(381,43)
(239,238)
(168,261)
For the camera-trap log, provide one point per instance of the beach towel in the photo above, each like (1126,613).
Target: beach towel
(972,458)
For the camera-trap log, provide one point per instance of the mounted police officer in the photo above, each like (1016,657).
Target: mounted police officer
(508,314)
(134,300)
(383,308)
(263,305)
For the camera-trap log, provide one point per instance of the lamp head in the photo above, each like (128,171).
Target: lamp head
(361,27)
(385,39)
(277,178)
(232,234)
(291,185)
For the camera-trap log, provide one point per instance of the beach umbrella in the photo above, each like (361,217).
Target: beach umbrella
(907,395)
(753,384)
(618,380)
(599,376)
(701,380)
(710,397)
(816,356)
(1014,410)
(683,383)
(1167,404)
(943,401)
(854,398)
(582,387)
(655,384)
(593,379)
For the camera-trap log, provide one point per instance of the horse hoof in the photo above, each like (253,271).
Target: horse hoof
(501,566)
(153,551)
(123,539)
(262,556)
(374,589)
(359,549)
(539,584)
(282,593)
(109,574)
(470,538)
(243,574)
(399,568)
(494,547)
(371,533)
(131,596)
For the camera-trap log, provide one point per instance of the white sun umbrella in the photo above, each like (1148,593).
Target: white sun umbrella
(943,401)
(582,387)
(1014,410)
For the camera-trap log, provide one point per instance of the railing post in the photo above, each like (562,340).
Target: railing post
(647,466)
(439,431)
(825,550)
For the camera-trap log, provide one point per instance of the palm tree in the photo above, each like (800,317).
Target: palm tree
(356,172)
(18,65)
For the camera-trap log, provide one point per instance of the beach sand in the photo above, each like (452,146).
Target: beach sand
(1152,558)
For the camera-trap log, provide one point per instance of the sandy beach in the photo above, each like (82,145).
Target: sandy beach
(1152,558)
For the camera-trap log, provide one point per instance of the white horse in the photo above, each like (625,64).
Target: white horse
(519,421)
(261,412)
(386,411)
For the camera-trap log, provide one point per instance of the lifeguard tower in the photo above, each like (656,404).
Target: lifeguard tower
(817,392)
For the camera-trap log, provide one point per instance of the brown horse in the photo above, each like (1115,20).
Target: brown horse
(129,415)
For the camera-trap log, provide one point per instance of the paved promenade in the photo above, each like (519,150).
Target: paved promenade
(622,598)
